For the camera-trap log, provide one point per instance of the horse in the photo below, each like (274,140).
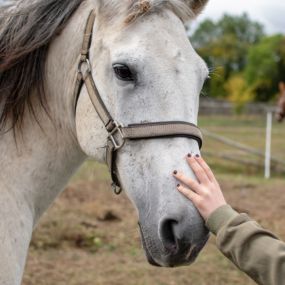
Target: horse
(280,110)
(65,66)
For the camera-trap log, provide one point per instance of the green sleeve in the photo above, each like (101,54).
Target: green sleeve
(256,251)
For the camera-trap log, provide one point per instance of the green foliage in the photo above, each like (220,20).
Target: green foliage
(266,64)
(246,64)
(225,42)
(238,91)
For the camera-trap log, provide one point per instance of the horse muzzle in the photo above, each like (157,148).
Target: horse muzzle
(174,246)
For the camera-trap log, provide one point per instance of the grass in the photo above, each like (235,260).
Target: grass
(92,171)
(247,130)
(76,244)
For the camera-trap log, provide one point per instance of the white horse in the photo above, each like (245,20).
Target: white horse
(145,70)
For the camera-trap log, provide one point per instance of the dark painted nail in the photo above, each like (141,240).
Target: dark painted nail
(197,155)
(175,172)
(189,155)
(178,185)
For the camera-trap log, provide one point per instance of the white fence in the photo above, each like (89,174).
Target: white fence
(210,107)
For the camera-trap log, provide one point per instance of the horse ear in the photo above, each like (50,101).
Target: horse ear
(196,5)
(281,87)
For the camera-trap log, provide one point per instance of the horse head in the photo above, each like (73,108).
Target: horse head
(146,70)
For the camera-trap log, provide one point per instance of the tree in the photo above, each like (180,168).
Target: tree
(266,67)
(238,91)
(224,45)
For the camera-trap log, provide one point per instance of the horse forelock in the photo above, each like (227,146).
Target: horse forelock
(128,11)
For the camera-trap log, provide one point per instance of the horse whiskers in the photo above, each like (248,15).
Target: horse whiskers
(214,72)
(212,69)
(204,93)
(192,248)
(102,147)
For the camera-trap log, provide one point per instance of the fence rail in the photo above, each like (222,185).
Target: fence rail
(216,107)
(275,163)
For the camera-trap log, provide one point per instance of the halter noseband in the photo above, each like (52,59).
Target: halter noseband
(118,134)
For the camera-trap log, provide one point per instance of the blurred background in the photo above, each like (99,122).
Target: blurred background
(90,236)
(244,47)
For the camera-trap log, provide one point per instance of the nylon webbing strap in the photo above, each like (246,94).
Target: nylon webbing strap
(149,131)
(88,35)
(98,103)
(163,129)
(84,55)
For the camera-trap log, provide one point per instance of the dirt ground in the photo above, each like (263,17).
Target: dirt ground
(90,236)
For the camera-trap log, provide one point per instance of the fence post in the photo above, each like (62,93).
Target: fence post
(267,163)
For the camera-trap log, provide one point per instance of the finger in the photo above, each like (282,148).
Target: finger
(206,168)
(188,193)
(192,184)
(197,169)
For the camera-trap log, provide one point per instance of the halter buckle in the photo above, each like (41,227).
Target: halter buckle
(117,129)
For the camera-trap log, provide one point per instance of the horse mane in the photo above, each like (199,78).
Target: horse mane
(28,26)
(26,29)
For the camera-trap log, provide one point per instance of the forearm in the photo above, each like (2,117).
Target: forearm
(254,250)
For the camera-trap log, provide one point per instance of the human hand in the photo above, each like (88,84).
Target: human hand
(205,193)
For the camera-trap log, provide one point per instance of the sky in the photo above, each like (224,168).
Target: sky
(271,13)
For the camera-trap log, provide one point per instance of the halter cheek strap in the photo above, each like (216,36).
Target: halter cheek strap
(118,134)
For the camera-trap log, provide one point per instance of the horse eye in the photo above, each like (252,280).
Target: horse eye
(123,72)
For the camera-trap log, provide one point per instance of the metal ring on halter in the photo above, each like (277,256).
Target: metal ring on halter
(117,190)
(88,66)
(111,136)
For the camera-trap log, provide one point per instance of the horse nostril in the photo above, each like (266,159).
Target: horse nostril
(168,236)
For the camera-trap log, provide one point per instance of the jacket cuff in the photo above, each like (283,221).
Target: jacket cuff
(220,217)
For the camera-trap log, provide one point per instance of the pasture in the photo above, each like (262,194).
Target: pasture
(90,236)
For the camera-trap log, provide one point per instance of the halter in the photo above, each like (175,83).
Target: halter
(117,133)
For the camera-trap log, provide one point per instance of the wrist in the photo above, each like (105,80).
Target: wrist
(219,217)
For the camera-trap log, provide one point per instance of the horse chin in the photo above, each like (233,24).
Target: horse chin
(147,253)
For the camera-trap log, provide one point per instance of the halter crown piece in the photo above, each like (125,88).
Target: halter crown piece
(118,134)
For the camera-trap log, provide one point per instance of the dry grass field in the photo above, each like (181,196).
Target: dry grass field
(90,236)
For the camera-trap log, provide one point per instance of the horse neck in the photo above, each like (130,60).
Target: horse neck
(46,153)
(33,172)
(37,165)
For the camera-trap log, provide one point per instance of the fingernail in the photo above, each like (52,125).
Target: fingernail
(189,155)
(178,185)
(175,172)
(197,155)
